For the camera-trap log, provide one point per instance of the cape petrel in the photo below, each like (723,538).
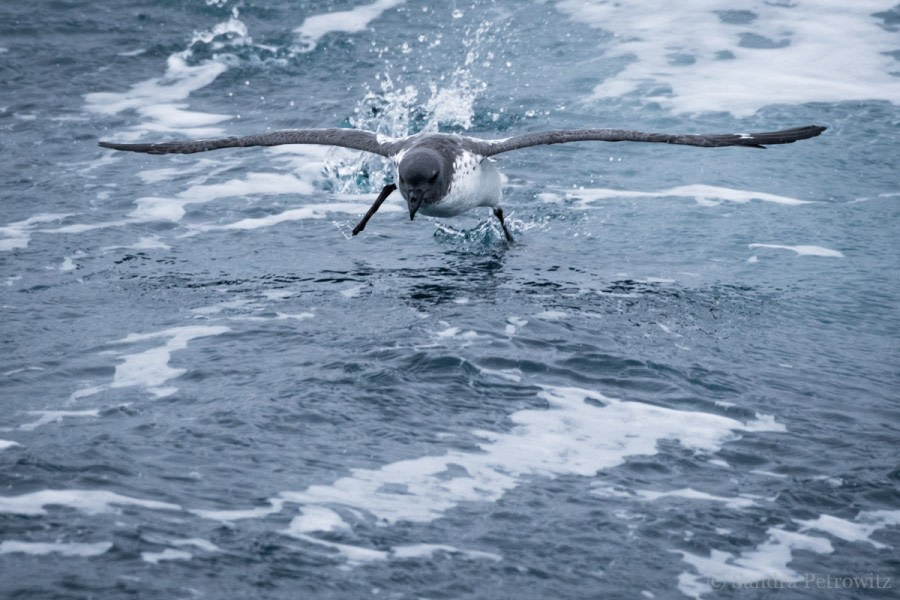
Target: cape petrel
(446,174)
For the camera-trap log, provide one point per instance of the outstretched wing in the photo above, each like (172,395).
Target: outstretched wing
(345,138)
(540,138)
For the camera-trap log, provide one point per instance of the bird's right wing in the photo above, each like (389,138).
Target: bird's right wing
(356,139)
(540,138)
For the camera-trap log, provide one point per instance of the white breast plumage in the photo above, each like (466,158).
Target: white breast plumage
(475,182)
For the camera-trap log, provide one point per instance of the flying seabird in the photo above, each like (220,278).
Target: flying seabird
(446,174)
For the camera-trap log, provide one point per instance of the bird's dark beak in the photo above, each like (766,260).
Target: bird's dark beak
(414,204)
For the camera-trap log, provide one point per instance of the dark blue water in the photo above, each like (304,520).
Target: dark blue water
(681,380)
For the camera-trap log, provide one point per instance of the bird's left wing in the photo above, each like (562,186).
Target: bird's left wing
(356,139)
(541,138)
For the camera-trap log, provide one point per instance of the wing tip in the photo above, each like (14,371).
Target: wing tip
(807,131)
(787,136)
(814,130)
(115,146)
(145,148)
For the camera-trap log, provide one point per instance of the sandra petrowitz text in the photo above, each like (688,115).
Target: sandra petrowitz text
(812,581)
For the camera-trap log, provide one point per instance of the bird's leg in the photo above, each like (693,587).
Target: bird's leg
(385,192)
(498,212)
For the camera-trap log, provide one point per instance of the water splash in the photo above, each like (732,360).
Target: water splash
(396,108)
(393,110)
(485,238)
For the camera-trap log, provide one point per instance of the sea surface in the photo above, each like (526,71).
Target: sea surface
(682,380)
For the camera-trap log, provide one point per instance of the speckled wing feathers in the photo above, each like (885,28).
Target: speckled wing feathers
(540,138)
(346,138)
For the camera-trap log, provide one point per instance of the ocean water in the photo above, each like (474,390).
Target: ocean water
(681,380)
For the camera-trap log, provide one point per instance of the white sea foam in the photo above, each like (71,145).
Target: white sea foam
(246,306)
(279,316)
(227,516)
(150,242)
(876,197)
(63,548)
(692,494)
(130,53)
(427,550)
(705,195)
(167,554)
(198,543)
(353,291)
(551,315)
(309,162)
(87,501)
(85,391)
(768,473)
(832,481)
(198,165)
(18,234)
(353,554)
(456,334)
(779,53)
(6,444)
(85,227)
(517,322)
(154,208)
(160,101)
(767,562)
(277,294)
(316,518)
(358,555)
(858,530)
(802,250)
(354,20)
(507,374)
(309,211)
(69,264)
(733,502)
(582,433)
(150,368)
(173,209)
(56,416)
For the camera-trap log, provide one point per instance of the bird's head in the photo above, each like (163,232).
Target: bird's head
(424,178)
